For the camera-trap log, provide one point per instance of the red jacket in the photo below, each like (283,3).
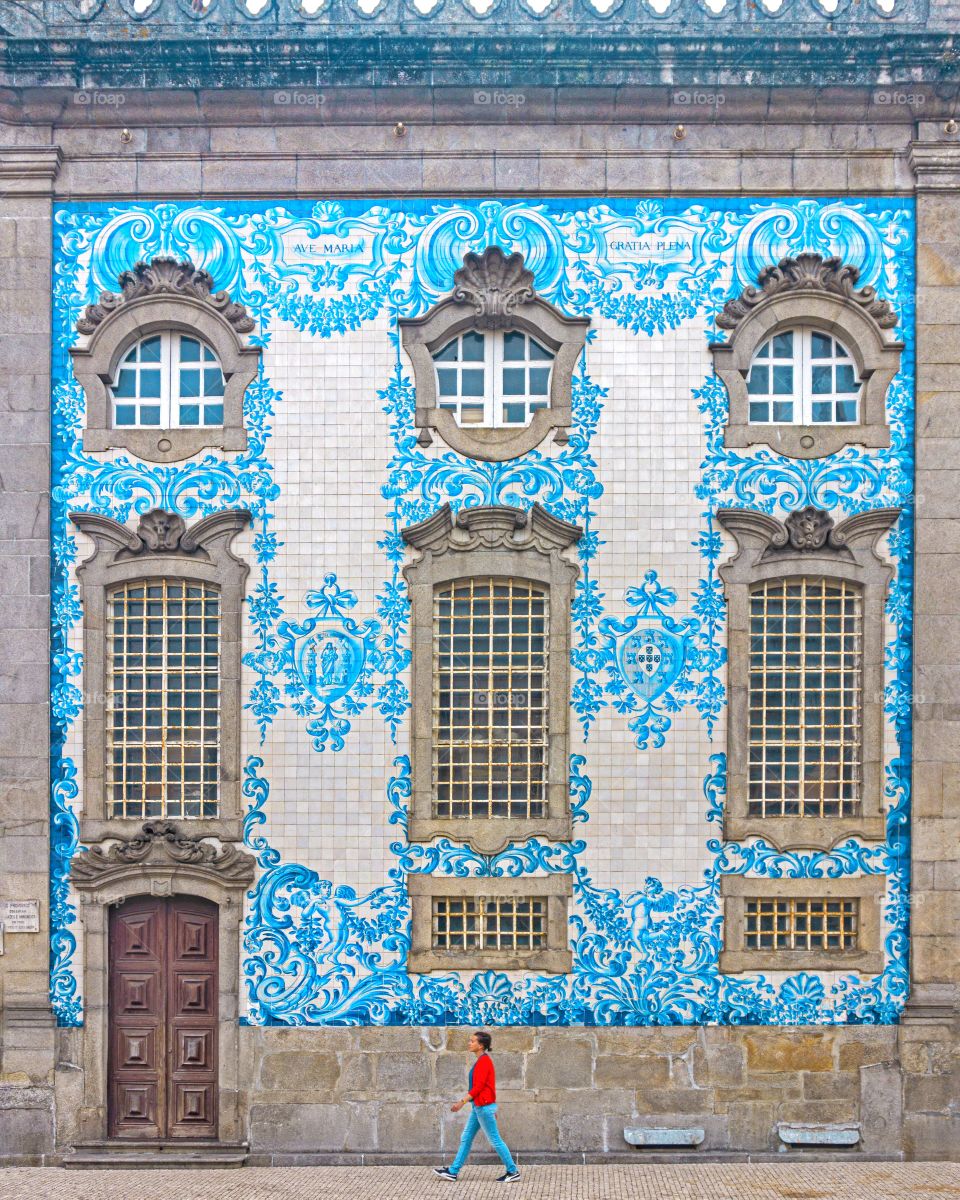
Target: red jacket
(483,1081)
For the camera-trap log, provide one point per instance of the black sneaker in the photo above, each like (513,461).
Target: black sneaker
(445,1173)
(508,1176)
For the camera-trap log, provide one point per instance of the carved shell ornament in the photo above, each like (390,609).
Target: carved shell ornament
(495,284)
(165,276)
(808,271)
(808,529)
(160,530)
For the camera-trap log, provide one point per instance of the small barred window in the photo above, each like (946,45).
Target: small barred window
(496,923)
(803,377)
(493,380)
(163,701)
(798,923)
(168,381)
(806,651)
(490,738)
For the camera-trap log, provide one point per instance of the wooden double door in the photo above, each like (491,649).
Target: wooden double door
(163,996)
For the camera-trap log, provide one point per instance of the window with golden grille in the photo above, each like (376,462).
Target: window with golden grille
(489,923)
(163,672)
(798,923)
(806,681)
(490,699)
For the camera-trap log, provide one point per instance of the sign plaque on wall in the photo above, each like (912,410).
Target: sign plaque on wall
(18,916)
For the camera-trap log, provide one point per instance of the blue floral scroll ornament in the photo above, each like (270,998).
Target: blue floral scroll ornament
(328,661)
(650,653)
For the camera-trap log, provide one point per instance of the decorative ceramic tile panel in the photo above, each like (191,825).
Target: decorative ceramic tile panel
(334,472)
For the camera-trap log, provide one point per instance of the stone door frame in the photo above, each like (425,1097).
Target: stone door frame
(161,862)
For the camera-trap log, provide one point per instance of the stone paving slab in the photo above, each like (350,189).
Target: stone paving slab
(791,1181)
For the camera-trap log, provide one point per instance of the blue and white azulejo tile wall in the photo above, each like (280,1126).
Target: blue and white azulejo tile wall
(334,472)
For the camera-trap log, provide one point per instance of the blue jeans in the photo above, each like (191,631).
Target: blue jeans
(484,1118)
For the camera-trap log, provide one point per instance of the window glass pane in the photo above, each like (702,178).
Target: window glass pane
(473,347)
(783,410)
(758,381)
(189,350)
(514,346)
(821,411)
(539,381)
(189,414)
(514,414)
(764,351)
(189,383)
(212,381)
(150,383)
(759,412)
(149,415)
(447,380)
(126,414)
(514,382)
(150,350)
(846,380)
(126,385)
(821,380)
(846,410)
(782,381)
(538,352)
(821,346)
(783,345)
(471,382)
(213,414)
(448,353)
(471,414)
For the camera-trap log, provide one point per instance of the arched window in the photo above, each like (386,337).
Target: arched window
(808,360)
(164,365)
(803,376)
(493,380)
(169,380)
(493,362)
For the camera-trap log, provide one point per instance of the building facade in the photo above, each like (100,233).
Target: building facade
(479,536)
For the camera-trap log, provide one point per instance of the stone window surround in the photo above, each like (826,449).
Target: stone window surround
(163,295)
(159,861)
(493,292)
(770,549)
(812,292)
(556,957)
(867,958)
(203,554)
(491,541)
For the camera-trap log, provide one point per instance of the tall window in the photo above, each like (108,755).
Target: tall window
(806,679)
(490,702)
(493,380)
(803,377)
(168,381)
(163,672)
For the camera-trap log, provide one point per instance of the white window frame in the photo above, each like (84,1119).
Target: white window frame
(493,363)
(169,400)
(802,397)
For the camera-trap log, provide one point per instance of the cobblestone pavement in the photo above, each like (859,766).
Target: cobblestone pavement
(761,1181)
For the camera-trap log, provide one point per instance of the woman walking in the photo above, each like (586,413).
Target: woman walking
(482,1094)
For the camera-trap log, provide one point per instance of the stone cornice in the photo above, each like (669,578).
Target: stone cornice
(29,172)
(936,165)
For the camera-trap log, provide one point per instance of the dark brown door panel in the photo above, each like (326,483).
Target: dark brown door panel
(163,1019)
